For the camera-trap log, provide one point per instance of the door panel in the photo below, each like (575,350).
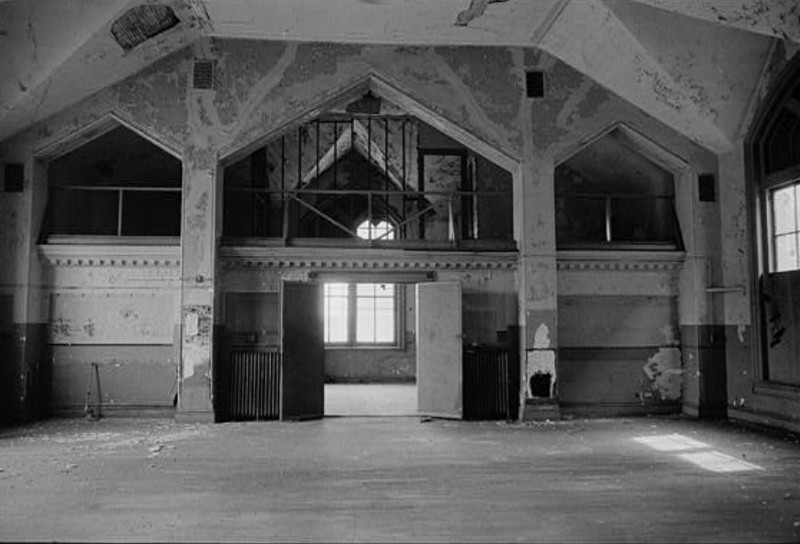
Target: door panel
(303,376)
(439,366)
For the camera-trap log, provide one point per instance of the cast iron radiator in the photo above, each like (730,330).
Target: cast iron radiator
(254,385)
(486,383)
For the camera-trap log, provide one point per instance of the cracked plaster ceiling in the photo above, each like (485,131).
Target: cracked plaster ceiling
(692,64)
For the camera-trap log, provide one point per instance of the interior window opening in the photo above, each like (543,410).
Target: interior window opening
(323,179)
(609,196)
(116,185)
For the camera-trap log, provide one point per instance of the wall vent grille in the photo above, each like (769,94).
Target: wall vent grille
(14,178)
(534,84)
(203,75)
(705,188)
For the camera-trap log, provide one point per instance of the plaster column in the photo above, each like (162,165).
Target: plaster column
(199,243)
(534,216)
(742,361)
(699,305)
(24,364)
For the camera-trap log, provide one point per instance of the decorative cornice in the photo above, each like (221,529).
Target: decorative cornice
(621,261)
(234,258)
(122,256)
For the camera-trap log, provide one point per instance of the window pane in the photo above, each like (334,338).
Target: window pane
(796,207)
(384,320)
(783,210)
(151,213)
(580,219)
(335,313)
(365,321)
(375,309)
(336,289)
(84,212)
(377,230)
(785,252)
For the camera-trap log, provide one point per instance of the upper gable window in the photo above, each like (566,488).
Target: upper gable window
(610,196)
(118,184)
(321,179)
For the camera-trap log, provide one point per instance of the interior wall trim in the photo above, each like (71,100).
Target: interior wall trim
(625,261)
(368,259)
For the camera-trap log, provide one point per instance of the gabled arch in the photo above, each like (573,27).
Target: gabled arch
(767,115)
(593,206)
(61,144)
(394,92)
(638,143)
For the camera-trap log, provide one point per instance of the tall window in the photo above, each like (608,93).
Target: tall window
(775,160)
(362,314)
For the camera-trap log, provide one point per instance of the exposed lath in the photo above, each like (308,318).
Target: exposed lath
(141,23)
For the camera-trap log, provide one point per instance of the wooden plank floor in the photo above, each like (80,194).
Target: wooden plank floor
(400,480)
(368,400)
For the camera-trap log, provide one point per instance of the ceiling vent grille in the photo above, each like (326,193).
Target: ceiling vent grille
(141,23)
(203,74)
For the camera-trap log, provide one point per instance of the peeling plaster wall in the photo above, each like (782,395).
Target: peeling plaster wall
(125,320)
(749,396)
(267,84)
(263,86)
(619,338)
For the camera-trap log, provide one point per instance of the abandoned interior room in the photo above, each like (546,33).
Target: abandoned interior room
(219,210)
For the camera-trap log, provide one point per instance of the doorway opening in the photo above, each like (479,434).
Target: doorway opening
(370,347)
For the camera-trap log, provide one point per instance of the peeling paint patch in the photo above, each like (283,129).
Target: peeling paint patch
(664,374)
(539,365)
(541,339)
(88,328)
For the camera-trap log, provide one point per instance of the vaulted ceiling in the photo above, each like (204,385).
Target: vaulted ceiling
(692,64)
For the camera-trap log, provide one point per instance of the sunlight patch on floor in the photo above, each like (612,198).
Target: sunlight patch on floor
(718,462)
(709,459)
(670,442)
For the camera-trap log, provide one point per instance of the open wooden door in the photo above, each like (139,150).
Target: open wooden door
(303,374)
(439,366)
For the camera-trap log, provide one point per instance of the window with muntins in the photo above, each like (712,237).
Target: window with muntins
(362,314)
(321,179)
(785,226)
(774,152)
